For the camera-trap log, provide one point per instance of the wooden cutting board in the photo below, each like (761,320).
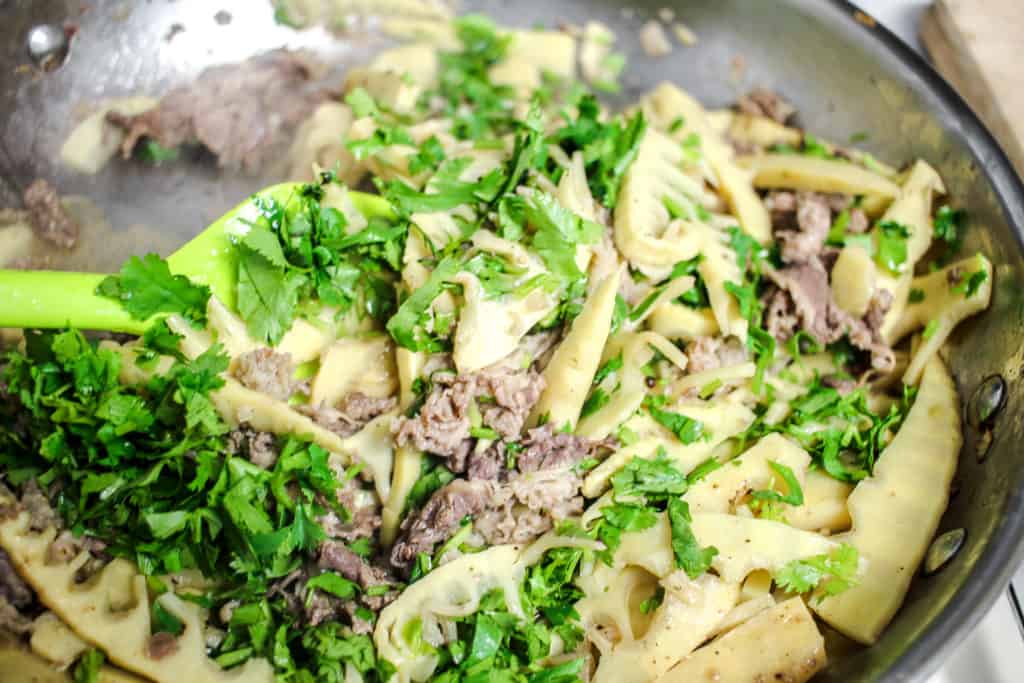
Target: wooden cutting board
(976,45)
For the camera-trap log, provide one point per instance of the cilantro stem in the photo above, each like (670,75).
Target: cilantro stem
(55,299)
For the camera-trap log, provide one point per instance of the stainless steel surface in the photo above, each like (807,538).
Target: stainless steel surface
(845,74)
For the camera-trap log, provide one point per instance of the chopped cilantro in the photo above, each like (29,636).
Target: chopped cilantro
(689,555)
(407,325)
(87,668)
(651,604)
(333,583)
(146,287)
(686,429)
(892,245)
(948,228)
(832,573)
(930,329)
(795,495)
(916,296)
(154,153)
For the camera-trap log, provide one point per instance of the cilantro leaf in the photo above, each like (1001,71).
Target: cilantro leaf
(406,326)
(87,668)
(557,232)
(794,497)
(650,478)
(892,245)
(833,573)
(686,429)
(146,287)
(948,227)
(689,556)
(333,583)
(267,296)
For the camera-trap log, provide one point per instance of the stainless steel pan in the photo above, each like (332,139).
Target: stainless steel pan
(845,73)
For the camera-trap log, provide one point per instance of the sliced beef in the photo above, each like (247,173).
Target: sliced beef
(503,397)
(859,223)
(764,102)
(439,518)
(12,621)
(710,353)
(41,515)
(549,449)
(337,557)
(352,414)
(269,372)
(865,334)
(48,218)
(66,547)
(259,447)
(533,503)
(807,287)
(362,519)
(243,113)
(488,464)
(813,220)
(161,645)
(13,588)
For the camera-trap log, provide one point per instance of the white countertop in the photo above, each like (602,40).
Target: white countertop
(994,653)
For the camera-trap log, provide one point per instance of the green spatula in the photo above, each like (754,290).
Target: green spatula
(49,299)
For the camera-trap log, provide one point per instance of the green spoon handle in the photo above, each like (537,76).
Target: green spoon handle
(50,299)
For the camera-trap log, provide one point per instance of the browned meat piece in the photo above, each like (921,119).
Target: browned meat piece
(879,306)
(352,414)
(547,449)
(49,219)
(764,102)
(337,557)
(363,517)
(813,219)
(781,204)
(268,372)
(161,645)
(439,518)
(858,222)
(66,547)
(243,113)
(490,464)
(780,317)
(514,394)
(504,398)
(537,502)
(866,334)
(12,621)
(259,447)
(13,588)
(844,385)
(41,515)
(710,353)
(807,286)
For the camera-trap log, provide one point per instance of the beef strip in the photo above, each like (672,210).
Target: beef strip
(711,353)
(363,516)
(547,449)
(538,500)
(161,645)
(48,218)
(764,102)
(259,447)
(352,414)
(808,288)
(41,515)
(269,372)
(439,518)
(243,113)
(13,588)
(12,621)
(504,398)
(543,490)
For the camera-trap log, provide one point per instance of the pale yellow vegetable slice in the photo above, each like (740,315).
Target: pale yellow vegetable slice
(95,141)
(721,421)
(896,511)
(15,243)
(795,172)
(320,143)
(453,589)
(730,374)
(644,230)
(676,321)
(778,644)
(719,490)
(668,102)
(824,507)
(606,610)
(303,341)
(718,267)
(913,210)
(406,467)
(684,620)
(941,309)
(570,372)
(354,364)
(122,634)
(761,131)
(853,280)
(55,642)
